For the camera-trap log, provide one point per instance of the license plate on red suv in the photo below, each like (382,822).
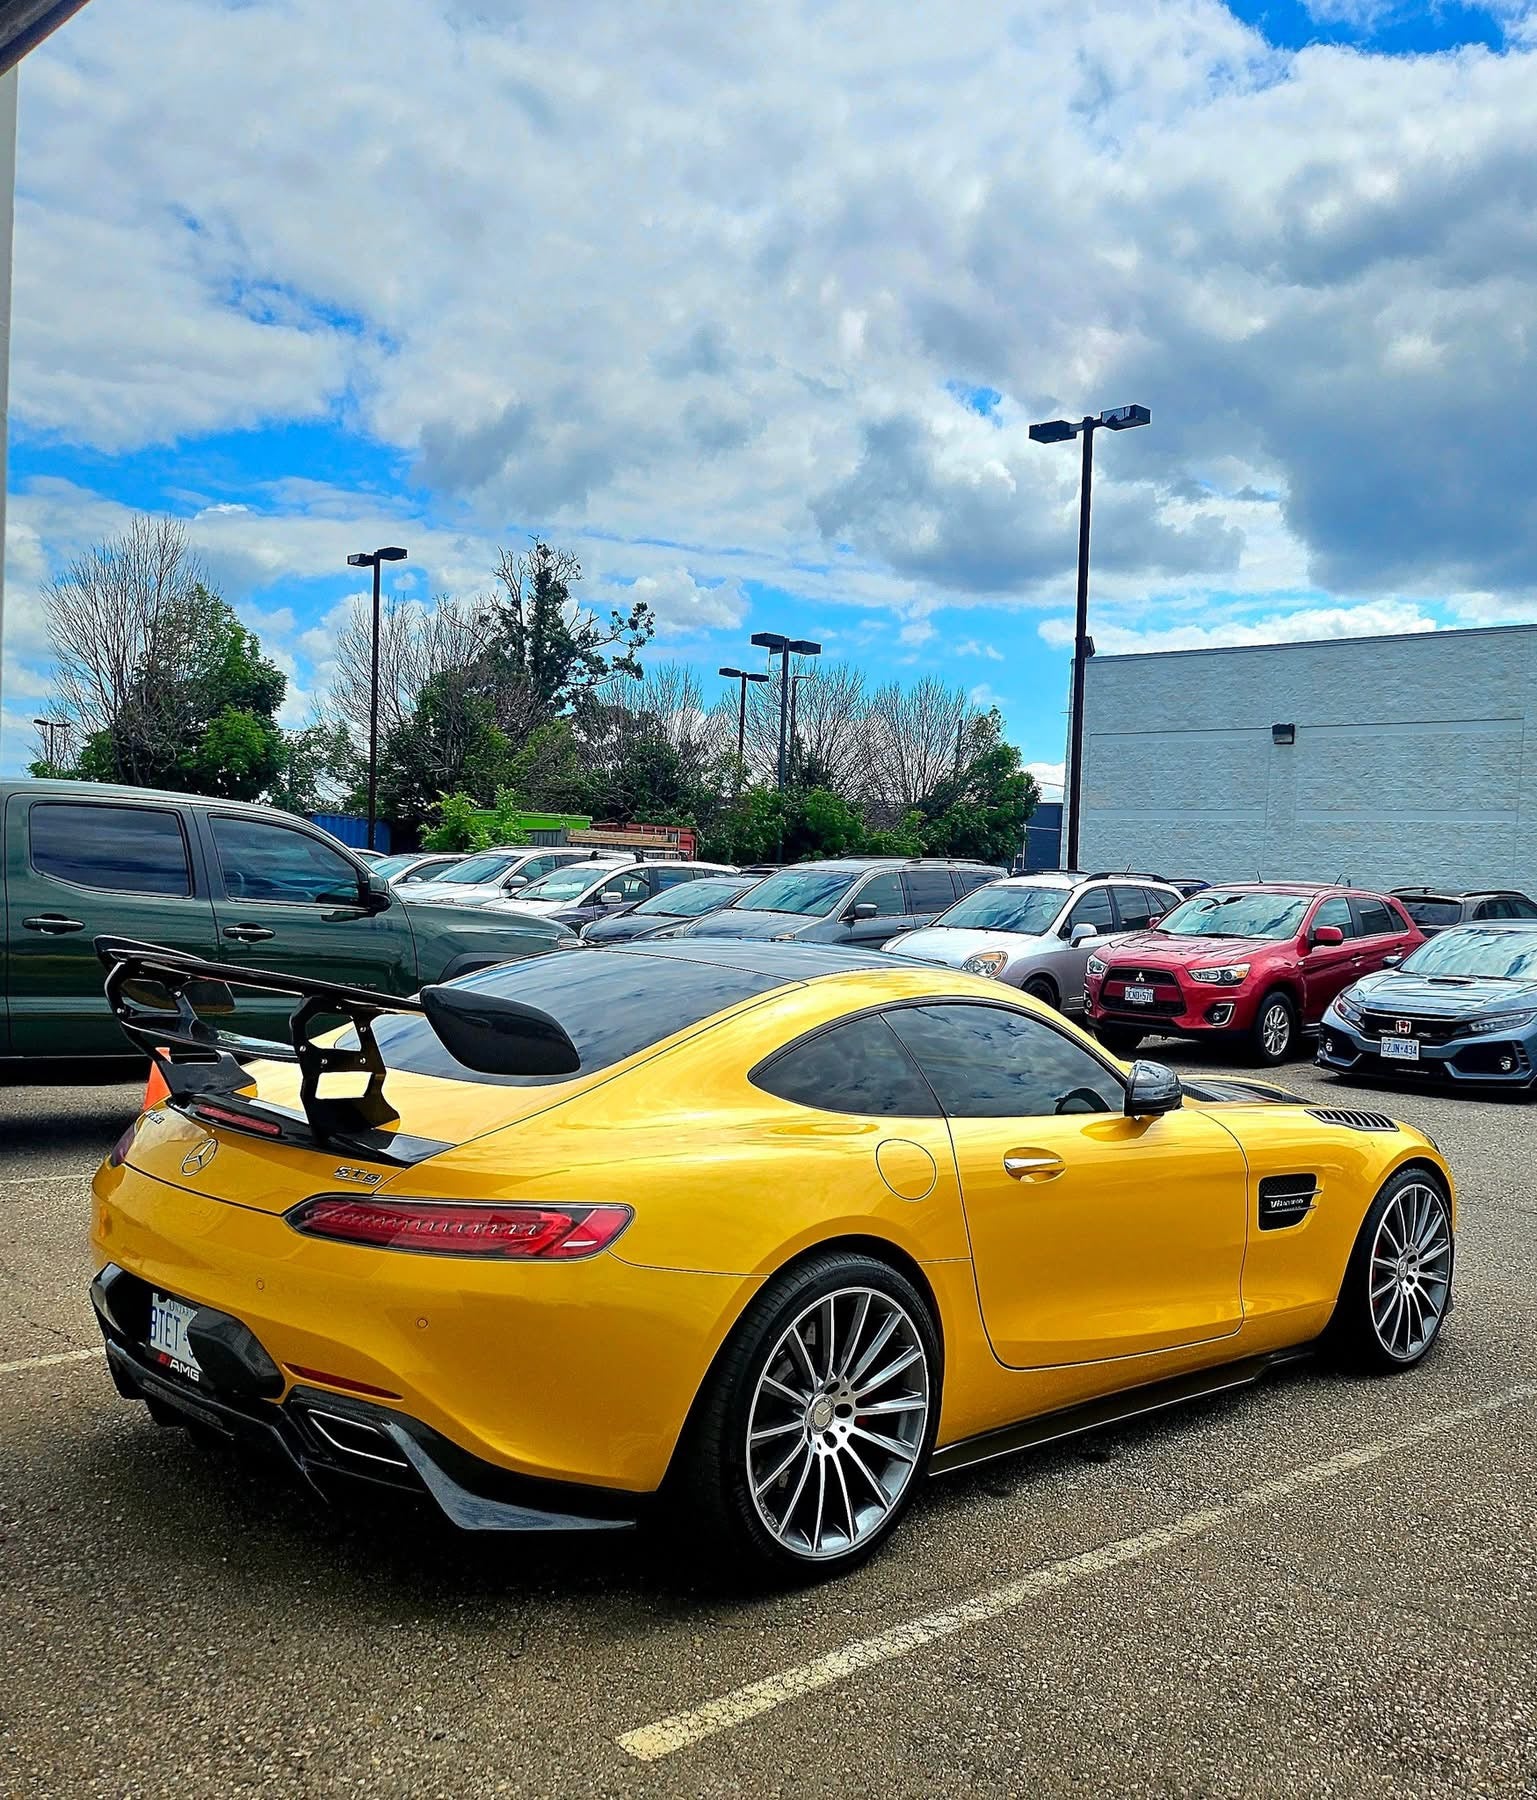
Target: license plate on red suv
(1140,996)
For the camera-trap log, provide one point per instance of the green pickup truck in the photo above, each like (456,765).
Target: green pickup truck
(230,882)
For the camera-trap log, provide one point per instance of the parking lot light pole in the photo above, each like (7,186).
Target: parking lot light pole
(371,559)
(784,648)
(48,727)
(743,676)
(1058,431)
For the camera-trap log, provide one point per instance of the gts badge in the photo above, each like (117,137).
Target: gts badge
(361,1176)
(1285,1200)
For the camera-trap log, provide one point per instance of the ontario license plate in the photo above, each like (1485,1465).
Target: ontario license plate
(1140,996)
(168,1322)
(1401,1049)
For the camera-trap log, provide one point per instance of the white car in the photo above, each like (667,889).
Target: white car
(1036,931)
(577,896)
(495,875)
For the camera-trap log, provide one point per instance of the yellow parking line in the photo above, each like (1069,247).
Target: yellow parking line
(758,1697)
(48,1362)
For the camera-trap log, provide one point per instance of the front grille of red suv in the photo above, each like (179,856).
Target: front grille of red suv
(1167,997)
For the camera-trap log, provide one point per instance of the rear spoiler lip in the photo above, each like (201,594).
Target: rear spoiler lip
(209,1070)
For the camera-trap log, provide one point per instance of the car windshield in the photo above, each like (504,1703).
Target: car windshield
(798,891)
(394,865)
(1485,955)
(1029,911)
(566,884)
(1244,914)
(478,868)
(692,898)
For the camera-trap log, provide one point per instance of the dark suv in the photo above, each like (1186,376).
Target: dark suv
(1438,909)
(230,882)
(854,900)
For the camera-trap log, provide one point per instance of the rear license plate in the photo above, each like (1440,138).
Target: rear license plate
(168,1322)
(1401,1049)
(1140,996)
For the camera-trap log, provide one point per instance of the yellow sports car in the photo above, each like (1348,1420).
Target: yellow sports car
(750,1233)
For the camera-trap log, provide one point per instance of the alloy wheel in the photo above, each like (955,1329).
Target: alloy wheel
(1276,1028)
(1411,1270)
(837,1422)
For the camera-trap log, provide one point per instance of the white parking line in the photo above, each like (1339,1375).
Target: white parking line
(744,1703)
(48,1362)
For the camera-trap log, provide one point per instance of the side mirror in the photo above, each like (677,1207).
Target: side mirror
(1328,935)
(376,893)
(1393,959)
(1155,919)
(861,909)
(1153,1088)
(611,897)
(513,883)
(1082,934)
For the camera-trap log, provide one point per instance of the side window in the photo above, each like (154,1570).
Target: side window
(1161,901)
(125,849)
(988,1063)
(670,876)
(1335,912)
(1093,909)
(967,879)
(1376,919)
(270,862)
(1520,907)
(532,870)
(854,1068)
(929,890)
(884,893)
(1131,904)
(630,883)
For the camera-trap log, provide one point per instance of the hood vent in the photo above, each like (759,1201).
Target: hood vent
(1356,1121)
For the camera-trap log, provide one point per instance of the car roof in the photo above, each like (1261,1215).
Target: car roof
(113,790)
(859,864)
(1450,893)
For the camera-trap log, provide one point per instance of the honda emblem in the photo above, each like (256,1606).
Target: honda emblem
(1404,1027)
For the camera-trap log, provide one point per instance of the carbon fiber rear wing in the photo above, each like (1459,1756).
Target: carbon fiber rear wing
(159,997)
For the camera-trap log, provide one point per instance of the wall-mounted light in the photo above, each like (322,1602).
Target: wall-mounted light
(1283,734)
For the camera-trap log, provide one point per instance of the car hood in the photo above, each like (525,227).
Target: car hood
(624,929)
(739,922)
(1160,951)
(1442,997)
(950,945)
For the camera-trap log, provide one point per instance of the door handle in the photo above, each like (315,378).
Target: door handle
(1033,1166)
(55,924)
(248,934)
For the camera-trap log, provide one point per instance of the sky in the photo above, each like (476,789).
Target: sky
(752,308)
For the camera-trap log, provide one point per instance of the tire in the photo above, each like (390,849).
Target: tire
(1120,1040)
(1273,1035)
(1039,988)
(1405,1244)
(777,1507)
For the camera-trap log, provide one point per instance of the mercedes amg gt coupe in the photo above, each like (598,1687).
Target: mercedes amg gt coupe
(751,1235)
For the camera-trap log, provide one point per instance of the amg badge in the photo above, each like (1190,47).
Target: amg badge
(361,1176)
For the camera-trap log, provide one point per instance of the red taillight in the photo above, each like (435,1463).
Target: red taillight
(237,1121)
(118,1154)
(454,1228)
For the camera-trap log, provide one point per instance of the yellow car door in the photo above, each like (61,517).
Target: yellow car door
(1093,1235)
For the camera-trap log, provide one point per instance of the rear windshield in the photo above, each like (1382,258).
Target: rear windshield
(1432,912)
(611,1005)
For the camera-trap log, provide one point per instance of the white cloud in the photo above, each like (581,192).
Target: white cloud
(1370,619)
(1049,778)
(974,647)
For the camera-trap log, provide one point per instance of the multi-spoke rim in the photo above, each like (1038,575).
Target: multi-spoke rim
(1276,1027)
(1411,1270)
(837,1422)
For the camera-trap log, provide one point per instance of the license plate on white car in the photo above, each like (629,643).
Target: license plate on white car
(1138,996)
(1401,1049)
(168,1322)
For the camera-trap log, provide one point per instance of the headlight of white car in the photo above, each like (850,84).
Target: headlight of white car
(1229,975)
(1097,965)
(986,962)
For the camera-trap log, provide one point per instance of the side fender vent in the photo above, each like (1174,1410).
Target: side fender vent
(1348,1116)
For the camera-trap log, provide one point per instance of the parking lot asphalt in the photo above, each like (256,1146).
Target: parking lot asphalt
(1315,1586)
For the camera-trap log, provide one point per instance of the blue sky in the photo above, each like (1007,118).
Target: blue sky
(755,319)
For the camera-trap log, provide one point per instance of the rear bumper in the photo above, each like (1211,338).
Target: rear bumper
(1469,1062)
(324,1439)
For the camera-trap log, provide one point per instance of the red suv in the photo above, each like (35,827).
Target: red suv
(1257,962)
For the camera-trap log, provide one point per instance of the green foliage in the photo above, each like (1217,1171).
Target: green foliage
(981,812)
(905,839)
(451,745)
(464,825)
(238,757)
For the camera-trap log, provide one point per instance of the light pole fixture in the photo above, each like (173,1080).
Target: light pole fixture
(784,648)
(371,559)
(795,681)
(1058,431)
(48,727)
(743,676)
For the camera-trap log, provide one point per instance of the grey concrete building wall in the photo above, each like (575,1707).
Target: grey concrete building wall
(1415,760)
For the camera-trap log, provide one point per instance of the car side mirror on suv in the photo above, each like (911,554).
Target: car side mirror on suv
(1153,1088)
(1328,935)
(1082,934)
(861,909)
(513,883)
(375,894)
(611,897)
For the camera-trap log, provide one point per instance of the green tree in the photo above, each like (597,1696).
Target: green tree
(450,745)
(981,811)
